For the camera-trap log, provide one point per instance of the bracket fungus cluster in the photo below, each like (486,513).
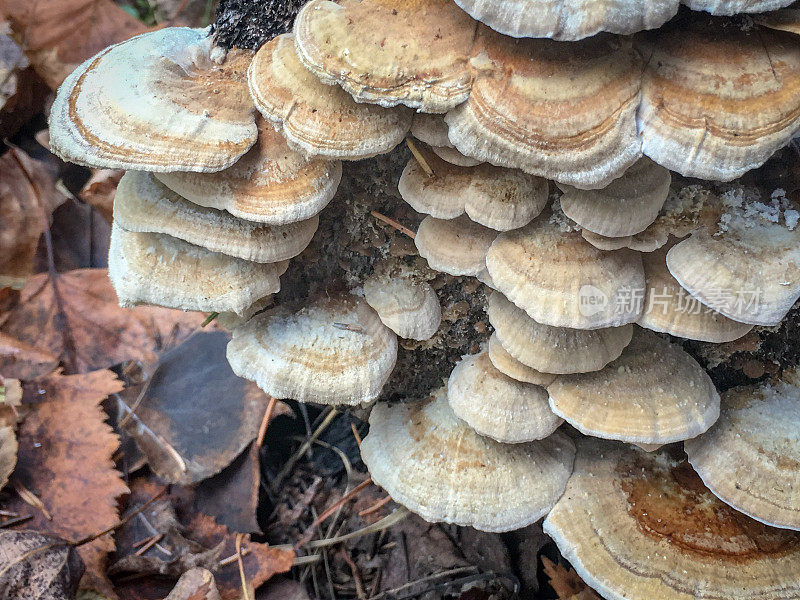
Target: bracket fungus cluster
(550,165)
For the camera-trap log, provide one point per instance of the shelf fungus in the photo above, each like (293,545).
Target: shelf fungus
(569,20)
(431,129)
(389,53)
(668,308)
(409,308)
(161,101)
(733,7)
(507,364)
(270,184)
(438,467)
(334,350)
(751,457)
(142,204)
(315,118)
(626,206)
(565,111)
(747,266)
(457,246)
(554,350)
(654,393)
(717,101)
(497,406)
(560,279)
(154,268)
(501,199)
(643,526)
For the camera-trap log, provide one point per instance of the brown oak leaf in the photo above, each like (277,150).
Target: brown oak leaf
(58,35)
(75,317)
(64,458)
(39,566)
(23,361)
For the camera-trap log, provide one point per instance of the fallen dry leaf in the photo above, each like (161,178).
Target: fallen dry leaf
(99,191)
(75,317)
(37,566)
(80,239)
(27,199)
(64,458)
(196,415)
(8,454)
(58,35)
(566,583)
(12,62)
(23,361)
(195,584)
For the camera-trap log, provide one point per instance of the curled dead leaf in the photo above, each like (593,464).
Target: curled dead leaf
(195,584)
(99,191)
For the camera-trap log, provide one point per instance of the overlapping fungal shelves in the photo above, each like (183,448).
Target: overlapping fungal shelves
(581,160)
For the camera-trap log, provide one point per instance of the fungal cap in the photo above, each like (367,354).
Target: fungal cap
(505,363)
(153,268)
(456,246)
(437,466)
(333,351)
(142,204)
(270,184)
(654,393)
(496,405)
(315,118)
(156,102)
(750,458)
(409,308)
(638,525)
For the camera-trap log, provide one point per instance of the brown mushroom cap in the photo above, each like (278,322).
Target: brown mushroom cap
(409,308)
(496,405)
(156,102)
(750,458)
(560,279)
(557,350)
(389,52)
(626,206)
(315,118)
(305,356)
(143,204)
(456,246)
(733,7)
(748,269)
(436,465)
(718,101)
(505,363)
(152,268)
(668,308)
(643,527)
(654,393)
(270,184)
(569,20)
(501,199)
(562,111)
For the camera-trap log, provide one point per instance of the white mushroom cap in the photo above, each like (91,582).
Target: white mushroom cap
(270,184)
(436,465)
(156,102)
(454,157)
(750,458)
(640,526)
(409,308)
(668,308)
(456,246)
(143,204)
(569,20)
(496,405)
(389,53)
(557,350)
(332,351)
(431,129)
(315,118)
(501,199)
(748,269)
(560,279)
(733,7)
(505,363)
(654,393)
(626,206)
(152,268)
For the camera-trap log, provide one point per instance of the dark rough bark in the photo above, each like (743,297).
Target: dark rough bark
(250,23)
